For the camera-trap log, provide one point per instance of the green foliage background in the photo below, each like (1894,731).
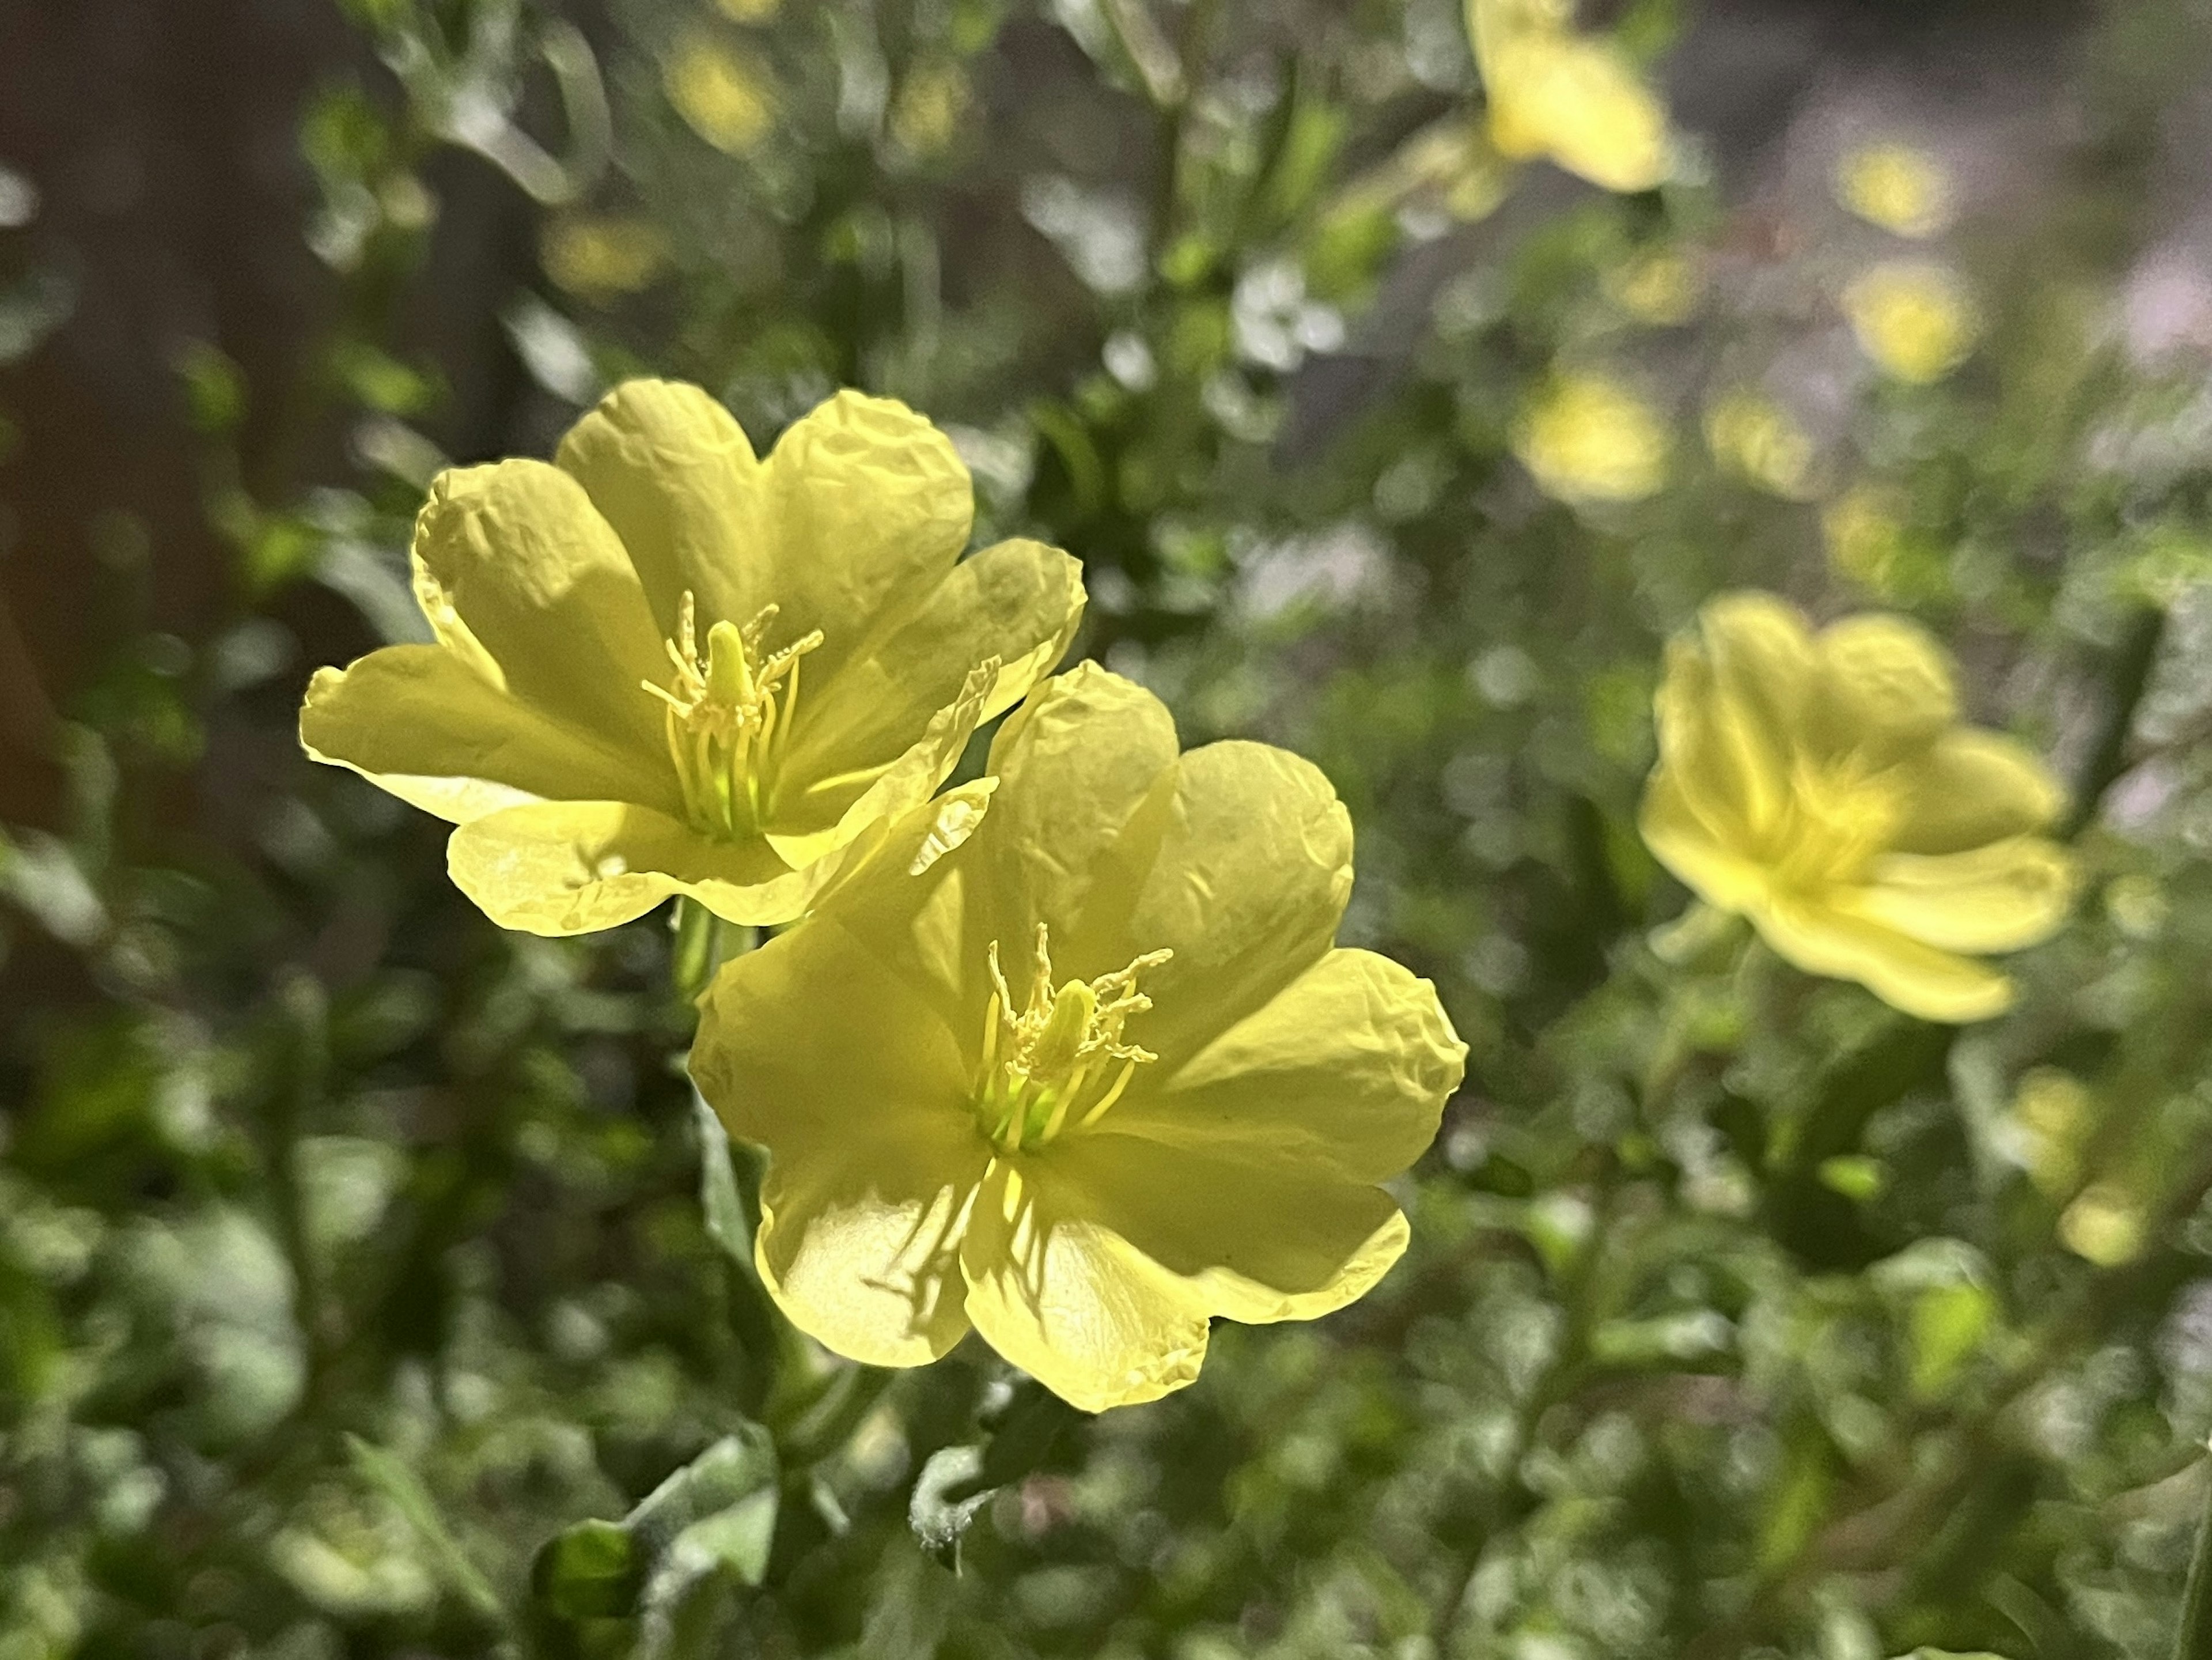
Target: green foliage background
(370,1283)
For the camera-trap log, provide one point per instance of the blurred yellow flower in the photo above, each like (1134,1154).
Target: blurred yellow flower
(932,107)
(721,93)
(1897,187)
(2054,1114)
(1587,438)
(1661,287)
(1863,530)
(613,712)
(1913,319)
(1822,786)
(1751,435)
(1095,1077)
(600,256)
(2105,1226)
(1573,98)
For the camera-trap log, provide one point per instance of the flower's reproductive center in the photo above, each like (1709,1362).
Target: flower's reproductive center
(729,718)
(1831,823)
(1055,1061)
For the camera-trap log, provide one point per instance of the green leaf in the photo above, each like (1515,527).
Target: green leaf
(712,1522)
(588,1571)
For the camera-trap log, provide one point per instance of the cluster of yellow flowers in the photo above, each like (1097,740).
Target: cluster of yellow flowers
(1068,1053)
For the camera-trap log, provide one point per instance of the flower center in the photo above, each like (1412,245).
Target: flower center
(1056,1061)
(729,718)
(1835,820)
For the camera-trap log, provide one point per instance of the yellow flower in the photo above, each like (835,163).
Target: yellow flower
(1912,319)
(1863,531)
(722,95)
(1587,438)
(1823,786)
(1095,1077)
(1660,287)
(1573,98)
(600,256)
(663,667)
(1752,434)
(1897,187)
(932,107)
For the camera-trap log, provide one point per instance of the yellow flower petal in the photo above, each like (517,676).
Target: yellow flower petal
(722,94)
(672,471)
(1970,787)
(1918,979)
(1239,862)
(869,506)
(2002,897)
(872,1154)
(877,794)
(517,553)
(420,722)
(1018,604)
(560,867)
(1897,187)
(1913,319)
(1886,687)
(1689,846)
(1087,736)
(1587,438)
(1344,1073)
(1252,1242)
(1074,1305)
(1585,106)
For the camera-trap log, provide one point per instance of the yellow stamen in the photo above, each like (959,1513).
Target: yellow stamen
(1043,1055)
(724,715)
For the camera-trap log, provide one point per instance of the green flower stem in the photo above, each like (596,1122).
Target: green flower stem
(703,942)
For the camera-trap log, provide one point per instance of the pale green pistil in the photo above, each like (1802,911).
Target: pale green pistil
(729,718)
(1056,1061)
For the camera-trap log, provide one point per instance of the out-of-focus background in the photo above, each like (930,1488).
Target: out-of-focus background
(351,1249)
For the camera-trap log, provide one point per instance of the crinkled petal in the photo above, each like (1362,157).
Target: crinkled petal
(1918,979)
(907,782)
(1017,604)
(873,1156)
(674,474)
(1689,846)
(541,583)
(1239,862)
(2004,897)
(560,867)
(1971,788)
(868,505)
(1088,735)
(1885,689)
(420,722)
(1342,1075)
(1254,1242)
(1071,1301)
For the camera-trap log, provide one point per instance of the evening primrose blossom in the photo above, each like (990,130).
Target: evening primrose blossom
(664,667)
(1094,1077)
(1587,437)
(1822,786)
(1893,185)
(1575,99)
(1912,318)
